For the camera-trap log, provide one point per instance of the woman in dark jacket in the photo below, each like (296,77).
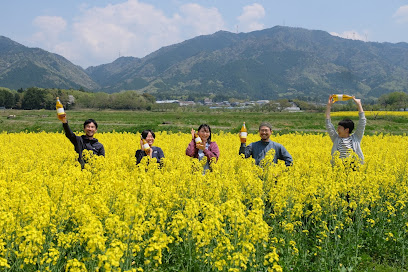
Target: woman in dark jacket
(154,152)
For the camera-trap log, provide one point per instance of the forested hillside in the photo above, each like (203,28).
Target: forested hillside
(271,63)
(23,67)
(280,62)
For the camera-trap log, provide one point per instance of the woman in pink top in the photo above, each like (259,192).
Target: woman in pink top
(206,148)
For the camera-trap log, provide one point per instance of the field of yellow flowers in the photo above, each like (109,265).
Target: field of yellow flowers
(116,216)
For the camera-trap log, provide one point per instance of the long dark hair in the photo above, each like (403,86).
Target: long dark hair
(205,126)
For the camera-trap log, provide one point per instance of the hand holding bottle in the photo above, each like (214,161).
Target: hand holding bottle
(60,111)
(200,145)
(63,118)
(198,142)
(358,101)
(243,133)
(145,146)
(330,101)
(196,138)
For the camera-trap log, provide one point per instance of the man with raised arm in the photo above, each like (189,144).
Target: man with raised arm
(342,138)
(86,141)
(258,150)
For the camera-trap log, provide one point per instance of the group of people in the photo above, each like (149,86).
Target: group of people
(343,141)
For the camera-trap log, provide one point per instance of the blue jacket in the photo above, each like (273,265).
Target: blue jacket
(259,149)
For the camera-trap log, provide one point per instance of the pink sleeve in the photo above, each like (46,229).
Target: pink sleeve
(212,151)
(191,149)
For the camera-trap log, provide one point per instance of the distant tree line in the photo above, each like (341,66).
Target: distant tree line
(7,98)
(37,98)
(391,101)
(394,101)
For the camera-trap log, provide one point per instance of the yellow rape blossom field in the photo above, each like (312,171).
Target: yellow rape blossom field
(116,216)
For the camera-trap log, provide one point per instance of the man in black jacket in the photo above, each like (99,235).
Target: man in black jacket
(86,141)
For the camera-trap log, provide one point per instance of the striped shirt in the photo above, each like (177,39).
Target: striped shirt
(345,144)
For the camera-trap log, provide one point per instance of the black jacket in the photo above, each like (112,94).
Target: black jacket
(82,142)
(157,153)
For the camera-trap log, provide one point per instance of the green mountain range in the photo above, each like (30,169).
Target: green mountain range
(23,67)
(279,62)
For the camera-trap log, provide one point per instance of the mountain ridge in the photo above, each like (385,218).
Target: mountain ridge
(277,62)
(23,67)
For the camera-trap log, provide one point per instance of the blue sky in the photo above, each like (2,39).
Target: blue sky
(94,32)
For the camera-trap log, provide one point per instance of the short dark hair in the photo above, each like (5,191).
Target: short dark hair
(347,123)
(265,124)
(205,126)
(146,132)
(91,121)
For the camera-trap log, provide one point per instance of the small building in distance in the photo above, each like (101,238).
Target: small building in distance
(167,101)
(186,103)
(292,108)
(71,99)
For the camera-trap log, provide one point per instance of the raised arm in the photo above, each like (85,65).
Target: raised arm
(68,132)
(246,150)
(362,121)
(358,103)
(329,126)
(191,149)
(330,102)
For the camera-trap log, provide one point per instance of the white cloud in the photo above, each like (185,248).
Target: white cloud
(130,28)
(49,30)
(250,17)
(351,34)
(200,19)
(50,24)
(133,28)
(401,15)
